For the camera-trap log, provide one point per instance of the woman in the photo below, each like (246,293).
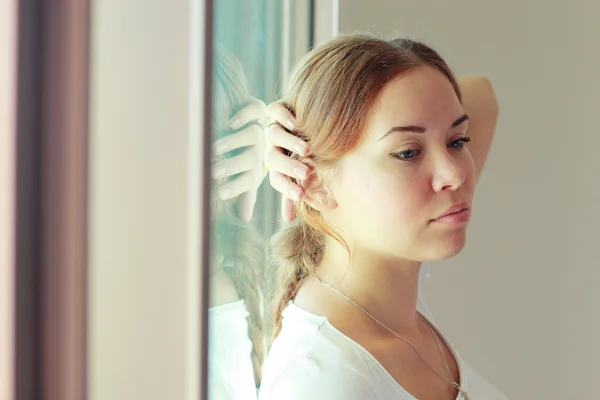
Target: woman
(387,184)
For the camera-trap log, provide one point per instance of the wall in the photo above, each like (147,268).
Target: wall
(143,314)
(8,62)
(520,301)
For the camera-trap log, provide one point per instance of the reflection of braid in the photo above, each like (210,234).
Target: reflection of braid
(241,248)
(236,242)
(245,282)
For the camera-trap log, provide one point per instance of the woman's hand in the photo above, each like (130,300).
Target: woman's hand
(248,125)
(281,166)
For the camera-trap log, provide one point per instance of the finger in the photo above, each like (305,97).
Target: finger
(278,136)
(284,186)
(287,209)
(249,136)
(243,183)
(279,162)
(256,110)
(246,203)
(279,113)
(245,161)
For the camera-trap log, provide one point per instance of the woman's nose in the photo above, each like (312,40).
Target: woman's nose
(449,173)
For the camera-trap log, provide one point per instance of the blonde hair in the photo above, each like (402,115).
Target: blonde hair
(331,92)
(236,244)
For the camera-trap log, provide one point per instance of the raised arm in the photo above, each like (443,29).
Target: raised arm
(481,105)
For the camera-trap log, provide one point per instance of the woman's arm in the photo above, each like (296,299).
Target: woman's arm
(481,105)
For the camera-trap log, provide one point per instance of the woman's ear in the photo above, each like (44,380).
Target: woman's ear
(318,194)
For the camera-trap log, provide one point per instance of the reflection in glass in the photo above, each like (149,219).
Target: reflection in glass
(235,323)
(248,58)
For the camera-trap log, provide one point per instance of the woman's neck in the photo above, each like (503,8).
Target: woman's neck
(385,286)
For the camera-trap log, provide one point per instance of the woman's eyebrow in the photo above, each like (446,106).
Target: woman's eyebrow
(420,129)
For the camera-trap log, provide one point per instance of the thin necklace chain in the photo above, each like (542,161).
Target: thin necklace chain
(439,346)
(452,382)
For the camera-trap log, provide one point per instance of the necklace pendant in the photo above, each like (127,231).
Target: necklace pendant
(464,395)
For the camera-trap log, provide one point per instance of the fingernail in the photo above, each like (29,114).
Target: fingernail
(300,172)
(224,193)
(294,195)
(219,171)
(220,148)
(289,124)
(300,148)
(235,123)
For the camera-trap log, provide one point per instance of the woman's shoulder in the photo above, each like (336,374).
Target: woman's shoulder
(304,333)
(309,357)
(312,377)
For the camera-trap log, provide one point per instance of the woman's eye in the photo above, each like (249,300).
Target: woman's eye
(407,154)
(410,155)
(459,143)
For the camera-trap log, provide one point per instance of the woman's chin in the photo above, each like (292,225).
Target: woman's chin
(445,248)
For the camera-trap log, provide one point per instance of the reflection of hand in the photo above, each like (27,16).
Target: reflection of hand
(249,163)
(281,166)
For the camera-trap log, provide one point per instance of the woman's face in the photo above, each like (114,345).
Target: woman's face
(410,167)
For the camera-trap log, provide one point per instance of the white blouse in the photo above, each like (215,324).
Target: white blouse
(230,370)
(312,360)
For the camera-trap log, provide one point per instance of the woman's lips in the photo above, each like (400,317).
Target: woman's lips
(457,217)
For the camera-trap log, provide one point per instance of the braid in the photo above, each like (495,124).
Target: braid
(295,252)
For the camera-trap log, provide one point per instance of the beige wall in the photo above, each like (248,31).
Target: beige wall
(521,301)
(8,61)
(143,321)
